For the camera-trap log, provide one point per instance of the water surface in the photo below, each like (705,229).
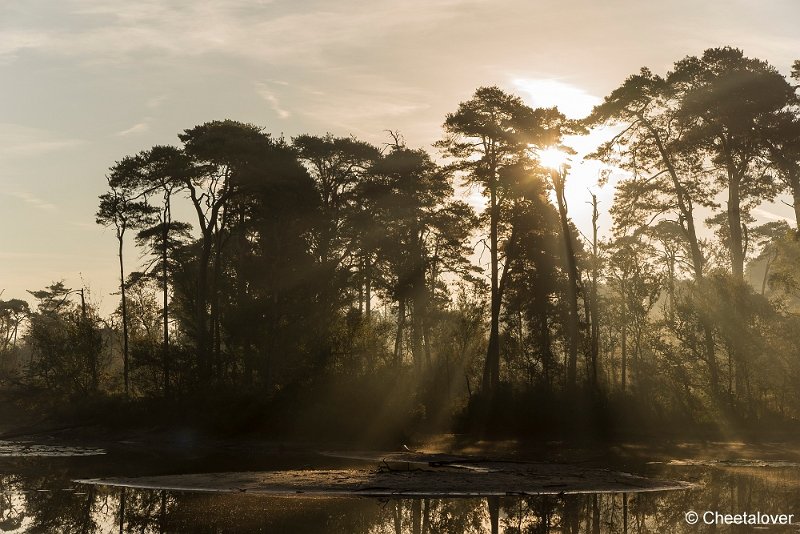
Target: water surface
(37,494)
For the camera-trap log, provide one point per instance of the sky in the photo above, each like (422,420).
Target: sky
(86,82)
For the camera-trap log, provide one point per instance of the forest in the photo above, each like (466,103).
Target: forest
(322,286)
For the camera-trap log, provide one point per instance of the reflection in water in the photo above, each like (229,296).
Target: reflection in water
(21,449)
(52,503)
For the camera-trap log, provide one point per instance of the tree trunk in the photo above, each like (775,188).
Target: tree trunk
(202,302)
(122,499)
(593,309)
(216,331)
(736,245)
(794,183)
(166,220)
(637,358)
(207,227)
(398,517)
(423,293)
(162,512)
(493,504)
(735,227)
(362,269)
(686,213)
(494,371)
(683,201)
(544,342)
(767,265)
(398,340)
(624,513)
(419,311)
(591,374)
(426,334)
(368,287)
(491,371)
(572,274)
(416,333)
(595,515)
(624,339)
(713,366)
(124,305)
(671,259)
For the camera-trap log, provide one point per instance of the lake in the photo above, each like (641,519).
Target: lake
(38,493)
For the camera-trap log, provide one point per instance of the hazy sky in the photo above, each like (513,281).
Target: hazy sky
(86,82)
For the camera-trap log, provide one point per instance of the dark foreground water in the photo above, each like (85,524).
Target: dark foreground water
(37,495)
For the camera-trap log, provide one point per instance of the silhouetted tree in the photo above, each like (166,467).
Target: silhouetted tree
(424,236)
(220,152)
(162,172)
(488,133)
(726,103)
(664,179)
(485,135)
(341,239)
(65,340)
(532,278)
(558,178)
(120,208)
(12,313)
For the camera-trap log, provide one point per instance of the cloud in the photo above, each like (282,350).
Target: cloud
(572,101)
(766,214)
(155,101)
(23,141)
(114,30)
(364,104)
(14,41)
(34,148)
(264,92)
(139,127)
(33,200)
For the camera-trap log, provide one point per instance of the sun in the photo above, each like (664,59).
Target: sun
(553,158)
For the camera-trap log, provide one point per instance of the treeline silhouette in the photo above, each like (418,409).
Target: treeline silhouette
(326,279)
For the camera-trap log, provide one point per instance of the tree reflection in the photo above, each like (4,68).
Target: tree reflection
(12,509)
(51,503)
(54,509)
